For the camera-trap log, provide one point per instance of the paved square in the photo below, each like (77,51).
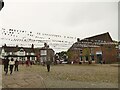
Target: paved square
(63,76)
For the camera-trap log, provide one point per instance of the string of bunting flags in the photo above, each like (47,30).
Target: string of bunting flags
(13,32)
(37,38)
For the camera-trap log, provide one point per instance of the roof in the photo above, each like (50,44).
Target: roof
(94,41)
(20,56)
(45,48)
(15,49)
(102,37)
(79,45)
(10,49)
(26,49)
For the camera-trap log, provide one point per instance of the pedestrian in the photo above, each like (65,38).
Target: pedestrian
(11,63)
(31,63)
(16,65)
(43,63)
(48,65)
(6,63)
(27,63)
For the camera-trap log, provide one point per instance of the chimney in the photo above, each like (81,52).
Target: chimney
(32,46)
(78,39)
(45,44)
(16,46)
(5,45)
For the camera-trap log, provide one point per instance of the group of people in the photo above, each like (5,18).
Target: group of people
(10,64)
(13,64)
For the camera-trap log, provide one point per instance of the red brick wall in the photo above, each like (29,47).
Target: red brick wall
(109,53)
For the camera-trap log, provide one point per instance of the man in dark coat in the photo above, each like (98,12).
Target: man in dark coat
(6,63)
(48,65)
(16,65)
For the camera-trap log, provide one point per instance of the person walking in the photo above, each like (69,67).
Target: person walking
(11,63)
(16,65)
(6,63)
(48,65)
(28,63)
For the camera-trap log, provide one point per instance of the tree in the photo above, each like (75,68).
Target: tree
(71,55)
(86,53)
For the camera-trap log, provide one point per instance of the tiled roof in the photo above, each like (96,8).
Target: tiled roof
(94,41)
(15,49)
(101,37)
(44,48)
(10,49)
(26,49)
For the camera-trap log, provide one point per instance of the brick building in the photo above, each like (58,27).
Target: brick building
(46,53)
(96,49)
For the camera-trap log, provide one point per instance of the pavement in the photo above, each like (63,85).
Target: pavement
(38,77)
(22,80)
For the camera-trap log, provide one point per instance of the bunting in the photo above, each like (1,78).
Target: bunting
(37,38)
(14,36)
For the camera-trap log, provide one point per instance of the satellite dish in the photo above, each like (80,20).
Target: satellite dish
(1,4)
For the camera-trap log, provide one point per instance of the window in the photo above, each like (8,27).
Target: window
(32,53)
(81,58)
(43,59)
(22,58)
(43,52)
(10,53)
(21,50)
(32,58)
(80,51)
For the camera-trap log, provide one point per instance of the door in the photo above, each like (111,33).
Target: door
(99,58)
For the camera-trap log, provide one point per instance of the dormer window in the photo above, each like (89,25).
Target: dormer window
(21,50)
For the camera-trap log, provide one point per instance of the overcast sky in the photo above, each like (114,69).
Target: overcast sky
(73,18)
